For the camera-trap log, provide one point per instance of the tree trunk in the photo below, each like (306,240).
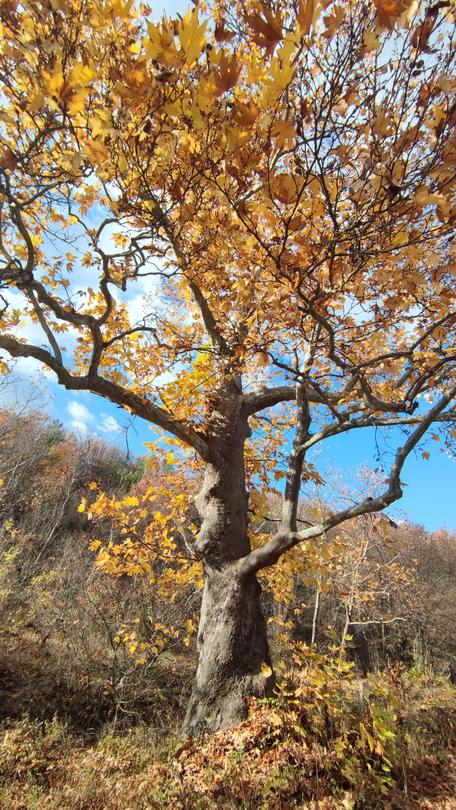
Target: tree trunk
(315,615)
(233,652)
(232,639)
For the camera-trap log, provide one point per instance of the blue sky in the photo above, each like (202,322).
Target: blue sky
(429,494)
(170,8)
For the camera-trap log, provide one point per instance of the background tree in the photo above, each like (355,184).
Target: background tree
(283,176)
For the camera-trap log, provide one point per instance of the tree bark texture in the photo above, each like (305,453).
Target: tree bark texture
(233,650)
(232,637)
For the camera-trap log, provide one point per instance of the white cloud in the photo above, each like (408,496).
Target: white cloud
(80,428)
(80,413)
(150,285)
(137,308)
(109,424)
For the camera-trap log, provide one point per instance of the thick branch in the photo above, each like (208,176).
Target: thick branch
(260,400)
(115,393)
(209,321)
(283,541)
(296,461)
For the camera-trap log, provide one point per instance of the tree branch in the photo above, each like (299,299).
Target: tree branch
(45,327)
(371,421)
(296,460)
(283,541)
(209,321)
(115,393)
(260,400)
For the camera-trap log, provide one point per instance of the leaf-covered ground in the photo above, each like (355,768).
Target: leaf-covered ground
(294,752)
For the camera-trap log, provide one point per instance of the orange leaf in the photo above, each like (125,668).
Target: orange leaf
(267,26)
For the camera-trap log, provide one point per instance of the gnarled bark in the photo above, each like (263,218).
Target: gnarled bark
(232,639)
(233,652)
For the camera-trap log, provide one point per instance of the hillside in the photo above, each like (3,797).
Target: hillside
(365,718)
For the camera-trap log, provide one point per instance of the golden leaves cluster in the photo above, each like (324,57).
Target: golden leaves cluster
(261,163)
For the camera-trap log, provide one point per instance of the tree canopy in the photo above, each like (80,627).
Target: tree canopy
(281,176)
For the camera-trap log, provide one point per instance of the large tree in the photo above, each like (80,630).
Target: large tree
(282,176)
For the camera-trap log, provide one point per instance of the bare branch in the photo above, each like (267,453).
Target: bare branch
(371,421)
(209,321)
(283,541)
(379,621)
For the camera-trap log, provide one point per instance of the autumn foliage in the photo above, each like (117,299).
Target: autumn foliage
(275,183)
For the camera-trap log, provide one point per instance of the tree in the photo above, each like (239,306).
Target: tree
(281,176)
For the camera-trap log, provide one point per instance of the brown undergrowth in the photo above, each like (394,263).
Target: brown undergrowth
(326,740)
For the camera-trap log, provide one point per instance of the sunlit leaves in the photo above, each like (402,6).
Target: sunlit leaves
(266,25)
(391,11)
(192,35)
(308,11)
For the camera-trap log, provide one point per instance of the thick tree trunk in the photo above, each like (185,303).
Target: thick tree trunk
(232,639)
(233,652)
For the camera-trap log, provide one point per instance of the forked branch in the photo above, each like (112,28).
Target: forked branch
(283,541)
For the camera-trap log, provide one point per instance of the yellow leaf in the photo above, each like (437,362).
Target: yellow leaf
(280,72)
(100,123)
(382,123)
(160,43)
(131,500)
(228,73)
(266,25)
(284,134)
(423,197)
(391,11)
(192,36)
(286,187)
(96,152)
(53,82)
(372,40)
(81,75)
